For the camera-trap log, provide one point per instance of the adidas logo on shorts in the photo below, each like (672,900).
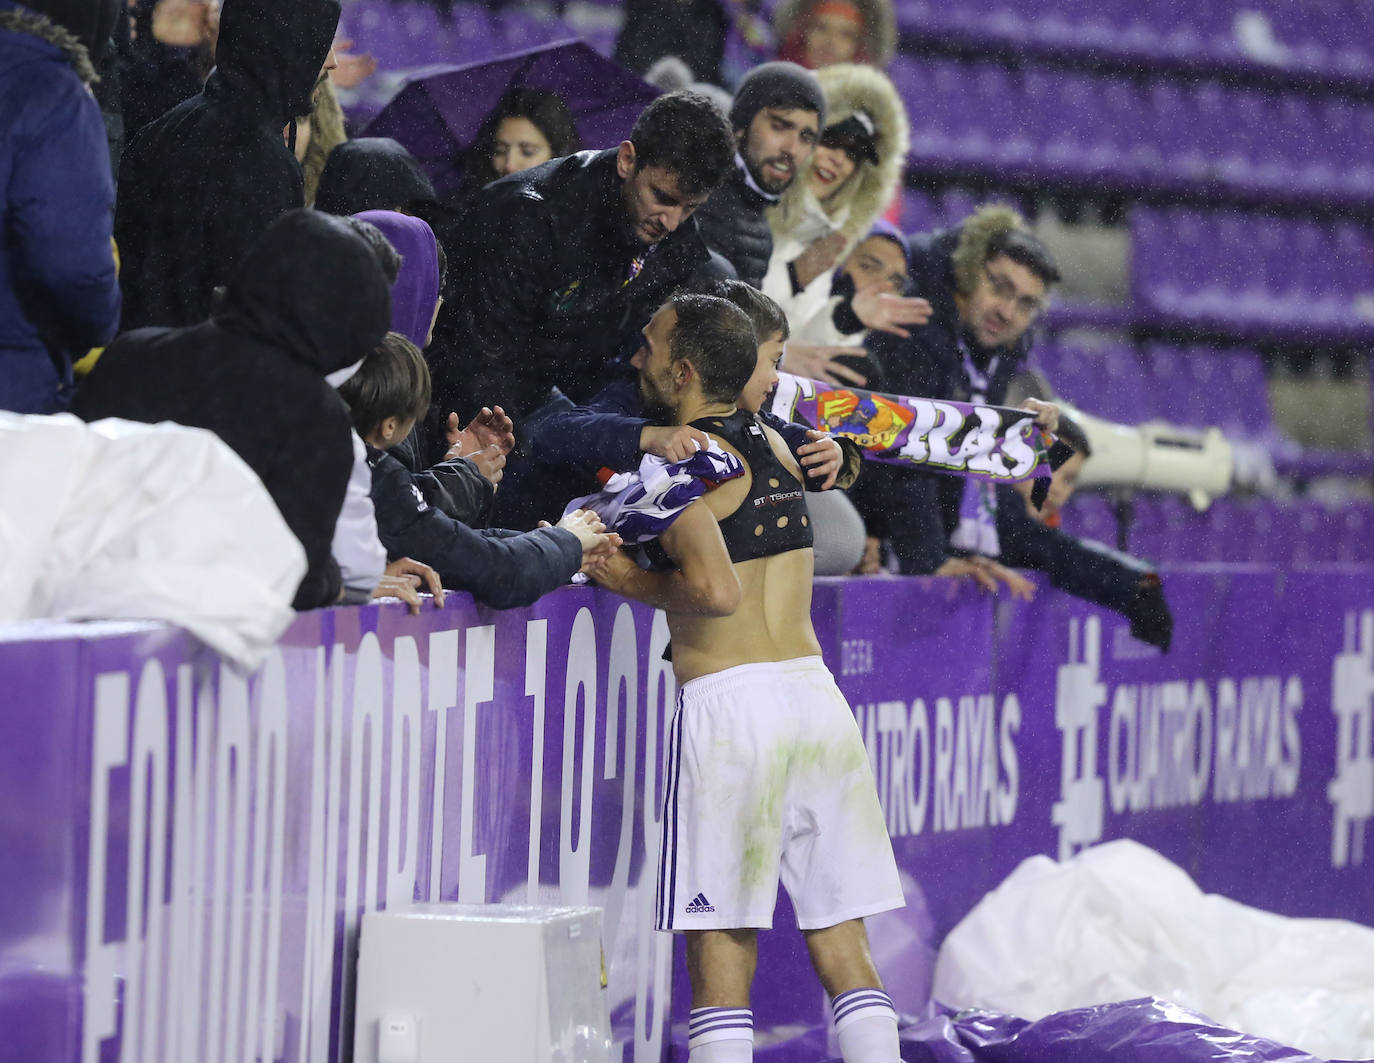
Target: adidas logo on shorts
(700,905)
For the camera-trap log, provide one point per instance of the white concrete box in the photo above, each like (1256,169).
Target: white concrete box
(495,983)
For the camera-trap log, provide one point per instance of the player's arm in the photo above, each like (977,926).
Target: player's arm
(704,583)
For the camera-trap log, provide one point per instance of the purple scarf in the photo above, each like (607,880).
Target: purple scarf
(984,443)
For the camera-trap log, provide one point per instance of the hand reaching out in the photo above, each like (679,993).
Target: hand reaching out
(988,574)
(489,428)
(673,442)
(490,462)
(597,543)
(881,310)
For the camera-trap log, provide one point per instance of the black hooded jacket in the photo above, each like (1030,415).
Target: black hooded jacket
(371,173)
(733,224)
(202,182)
(310,298)
(538,295)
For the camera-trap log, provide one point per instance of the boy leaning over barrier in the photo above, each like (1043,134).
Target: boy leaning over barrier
(500,568)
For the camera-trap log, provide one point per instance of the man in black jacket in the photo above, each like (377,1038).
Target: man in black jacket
(776,116)
(309,300)
(554,268)
(987,281)
(200,184)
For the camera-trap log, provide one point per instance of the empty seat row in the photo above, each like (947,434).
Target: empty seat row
(405,36)
(1167,530)
(1193,387)
(1252,271)
(1138,133)
(1330,38)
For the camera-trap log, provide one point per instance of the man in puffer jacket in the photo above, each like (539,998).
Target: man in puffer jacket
(58,292)
(776,117)
(855,172)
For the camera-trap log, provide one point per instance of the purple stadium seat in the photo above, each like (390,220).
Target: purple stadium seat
(919,212)
(956,205)
(1126,131)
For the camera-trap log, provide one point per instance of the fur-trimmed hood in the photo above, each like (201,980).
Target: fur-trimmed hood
(40,27)
(852,210)
(970,253)
(876,47)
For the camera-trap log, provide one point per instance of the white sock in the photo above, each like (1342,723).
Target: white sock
(720,1035)
(866,1025)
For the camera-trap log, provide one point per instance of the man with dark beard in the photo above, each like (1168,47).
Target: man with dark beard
(768,780)
(777,115)
(552,270)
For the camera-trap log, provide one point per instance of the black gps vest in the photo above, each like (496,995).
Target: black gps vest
(772,519)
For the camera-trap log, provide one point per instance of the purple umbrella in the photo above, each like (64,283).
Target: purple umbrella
(437,113)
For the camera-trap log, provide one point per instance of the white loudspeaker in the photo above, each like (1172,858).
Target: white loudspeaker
(489,983)
(1156,457)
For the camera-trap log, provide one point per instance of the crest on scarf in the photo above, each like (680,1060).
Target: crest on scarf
(872,421)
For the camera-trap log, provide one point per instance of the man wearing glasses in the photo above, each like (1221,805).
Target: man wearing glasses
(987,281)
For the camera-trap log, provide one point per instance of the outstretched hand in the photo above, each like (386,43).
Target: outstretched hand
(490,462)
(597,543)
(988,574)
(880,309)
(489,428)
(609,570)
(673,442)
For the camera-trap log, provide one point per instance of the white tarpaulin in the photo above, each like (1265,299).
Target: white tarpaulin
(1119,921)
(117,520)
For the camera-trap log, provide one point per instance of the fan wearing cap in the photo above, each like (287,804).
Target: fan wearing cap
(855,171)
(776,117)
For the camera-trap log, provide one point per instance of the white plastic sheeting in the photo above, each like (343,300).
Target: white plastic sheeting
(117,520)
(1120,921)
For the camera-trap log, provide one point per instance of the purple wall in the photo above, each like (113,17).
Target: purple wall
(187,854)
